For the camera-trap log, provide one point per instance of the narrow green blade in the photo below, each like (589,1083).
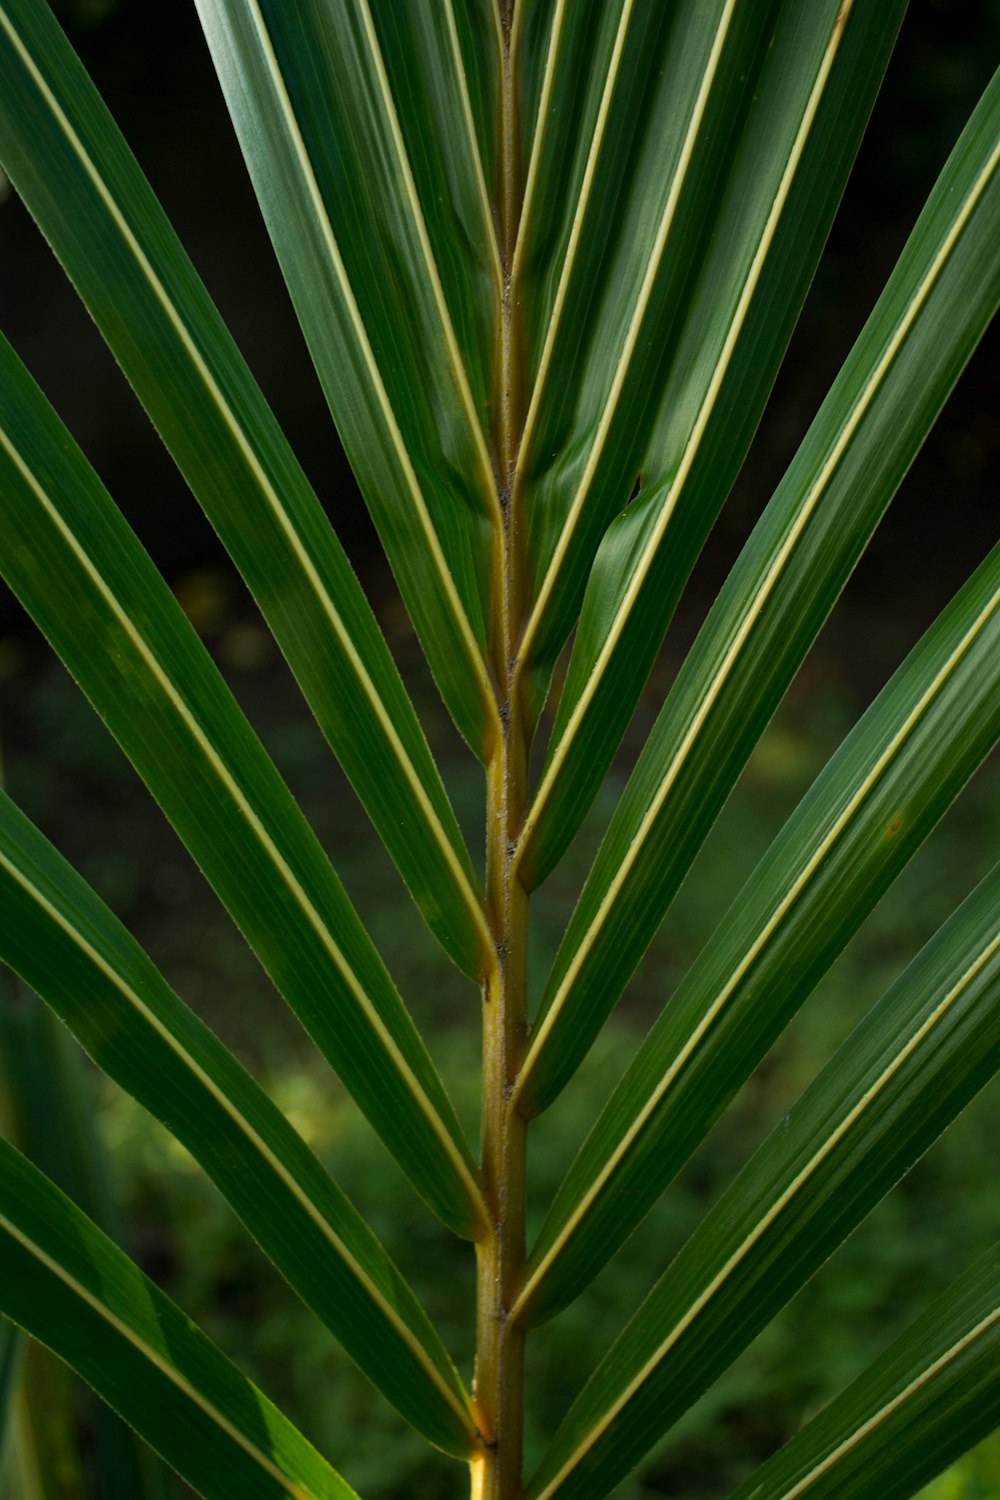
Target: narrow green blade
(933,1394)
(400,328)
(80,571)
(872,807)
(787,162)
(785,582)
(662,125)
(438,201)
(65,942)
(69,1286)
(478,27)
(902,1076)
(80,181)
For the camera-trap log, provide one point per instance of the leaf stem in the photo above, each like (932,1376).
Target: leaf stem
(501,1253)
(500,1343)
(499,1378)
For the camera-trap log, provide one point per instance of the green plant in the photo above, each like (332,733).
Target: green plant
(547,258)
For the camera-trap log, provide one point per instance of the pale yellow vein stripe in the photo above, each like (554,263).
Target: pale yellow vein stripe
(580,214)
(885,1412)
(870,1097)
(332,248)
(273,1160)
(379,711)
(155,1358)
(669,503)
(755,609)
(459,371)
(632,336)
(235,792)
(538,135)
(477,161)
(821,852)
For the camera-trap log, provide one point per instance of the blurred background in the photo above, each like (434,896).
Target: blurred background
(149,62)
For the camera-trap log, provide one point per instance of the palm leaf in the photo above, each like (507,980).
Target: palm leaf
(400,333)
(787,579)
(80,571)
(904,1074)
(108,229)
(68,1285)
(646,226)
(57,933)
(934,1393)
(795,144)
(869,811)
(547,258)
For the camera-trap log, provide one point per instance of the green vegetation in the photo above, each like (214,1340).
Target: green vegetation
(547,259)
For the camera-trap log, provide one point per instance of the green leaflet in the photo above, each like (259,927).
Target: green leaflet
(933,1394)
(640,175)
(80,181)
(872,807)
(477,26)
(431,91)
(784,584)
(69,1286)
(898,1081)
(364,222)
(793,147)
(79,570)
(65,942)
(592,292)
